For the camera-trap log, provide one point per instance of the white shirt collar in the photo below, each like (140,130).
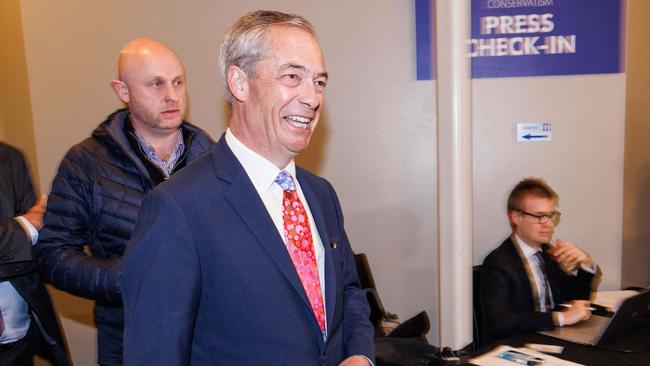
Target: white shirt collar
(260,170)
(528,251)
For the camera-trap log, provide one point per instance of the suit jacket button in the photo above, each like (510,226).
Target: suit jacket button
(323,359)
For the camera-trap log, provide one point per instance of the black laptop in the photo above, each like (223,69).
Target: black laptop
(598,329)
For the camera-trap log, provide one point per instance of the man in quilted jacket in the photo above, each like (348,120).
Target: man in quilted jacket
(101,182)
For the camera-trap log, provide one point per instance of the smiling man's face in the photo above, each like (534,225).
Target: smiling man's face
(285,94)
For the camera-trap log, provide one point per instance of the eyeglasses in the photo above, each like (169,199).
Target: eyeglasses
(543,219)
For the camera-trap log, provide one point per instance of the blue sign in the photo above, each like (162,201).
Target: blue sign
(546,37)
(425,39)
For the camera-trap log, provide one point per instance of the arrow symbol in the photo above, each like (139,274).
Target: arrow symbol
(529,136)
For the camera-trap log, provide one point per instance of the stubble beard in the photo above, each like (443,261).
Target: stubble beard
(152,121)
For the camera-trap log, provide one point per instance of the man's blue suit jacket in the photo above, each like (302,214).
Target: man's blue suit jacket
(207,279)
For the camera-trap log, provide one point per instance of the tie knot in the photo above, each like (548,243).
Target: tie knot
(285,181)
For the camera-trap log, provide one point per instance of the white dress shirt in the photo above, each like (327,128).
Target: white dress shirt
(538,275)
(262,174)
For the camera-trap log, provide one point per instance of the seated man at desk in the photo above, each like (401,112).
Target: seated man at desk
(527,283)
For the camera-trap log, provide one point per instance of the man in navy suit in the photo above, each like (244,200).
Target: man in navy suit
(242,258)
(525,281)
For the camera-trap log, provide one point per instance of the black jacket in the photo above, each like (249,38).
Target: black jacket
(94,201)
(16,257)
(507,296)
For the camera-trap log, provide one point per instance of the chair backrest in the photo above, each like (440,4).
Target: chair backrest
(477,306)
(367,282)
(363,271)
(377,311)
(415,328)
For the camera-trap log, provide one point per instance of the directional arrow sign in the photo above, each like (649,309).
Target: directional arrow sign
(533,132)
(529,136)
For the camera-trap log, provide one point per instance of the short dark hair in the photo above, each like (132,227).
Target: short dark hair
(530,186)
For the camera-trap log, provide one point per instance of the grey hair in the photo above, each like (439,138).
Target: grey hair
(243,44)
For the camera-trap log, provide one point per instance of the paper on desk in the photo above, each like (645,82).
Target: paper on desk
(612,299)
(492,358)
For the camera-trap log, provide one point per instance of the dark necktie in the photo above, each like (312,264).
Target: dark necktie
(546,291)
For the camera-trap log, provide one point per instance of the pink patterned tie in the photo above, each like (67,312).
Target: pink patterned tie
(297,231)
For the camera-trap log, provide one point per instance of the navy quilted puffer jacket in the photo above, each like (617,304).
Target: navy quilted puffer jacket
(94,202)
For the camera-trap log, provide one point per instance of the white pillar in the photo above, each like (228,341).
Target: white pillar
(454,172)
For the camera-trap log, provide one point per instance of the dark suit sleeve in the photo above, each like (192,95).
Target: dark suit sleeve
(499,297)
(24,195)
(161,286)
(15,244)
(359,332)
(571,287)
(582,284)
(16,256)
(69,227)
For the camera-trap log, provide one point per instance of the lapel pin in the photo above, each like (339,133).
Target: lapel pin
(334,244)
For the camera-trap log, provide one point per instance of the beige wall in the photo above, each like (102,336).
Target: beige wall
(375,142)
(583,162)
(598,161)
(16,126)
(636,209)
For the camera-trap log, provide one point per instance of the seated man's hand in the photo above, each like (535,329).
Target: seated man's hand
(355,361)
(569,256)
(578,311)
(36,212)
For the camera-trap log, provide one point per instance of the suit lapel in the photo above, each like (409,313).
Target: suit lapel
(246,202)
(330,276)
(524,271)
